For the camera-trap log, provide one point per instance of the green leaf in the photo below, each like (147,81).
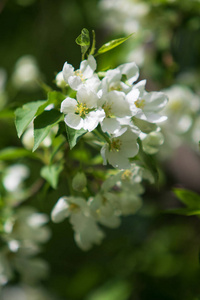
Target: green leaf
(25,114)
(54,98)
(43,124)
(74,135)
(143,125)
(183,211)
(112,44)
(51,174)
(189,198)
(83,40)
(15,153)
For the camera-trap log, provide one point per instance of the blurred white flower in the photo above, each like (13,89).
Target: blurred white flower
(183,111)
(25,292)
(26,73)
(120,149)
(24,232)
(86,231)
(14,177)
(123,15)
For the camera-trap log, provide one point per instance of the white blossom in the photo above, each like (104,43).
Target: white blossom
(120,149)
(83,112)
(113,78)
(86,231)
(115,106)
(81,76)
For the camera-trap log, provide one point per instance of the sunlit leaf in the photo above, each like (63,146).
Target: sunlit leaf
(184,211)
(83,40)
(25,114)
(189,198)
(112,44)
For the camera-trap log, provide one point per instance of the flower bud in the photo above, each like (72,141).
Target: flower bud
(79,182)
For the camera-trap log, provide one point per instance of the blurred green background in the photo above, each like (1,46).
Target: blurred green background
(152,255)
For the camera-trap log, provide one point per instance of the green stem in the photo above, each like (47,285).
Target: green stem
(102,135)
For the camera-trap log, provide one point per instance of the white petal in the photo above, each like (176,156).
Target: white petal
(118,161)
(87,96)
(87,67)
(110,125)
(68,70)
(75,82)
(155,101)
(74,121)
(130,148)
(155,118)
(68,105)
(131,71)
(93,119)
(120,107)
(87,232)
(133,95)
(60,210)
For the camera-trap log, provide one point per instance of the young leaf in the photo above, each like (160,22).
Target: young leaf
(74,135)
(183,211)
(51,174)
(83,40)
(189,198)
(112,44)
(43,124)
(25,114)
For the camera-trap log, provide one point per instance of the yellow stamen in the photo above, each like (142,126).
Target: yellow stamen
(115,145)
(126,175)
(73,207)
(115,87)
(107,109)
(82,110)
(80,74)
(140,103)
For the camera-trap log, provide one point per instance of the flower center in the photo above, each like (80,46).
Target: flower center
(126,175)
(82,110)
(140,103)
(79,74)
(73,207)
(115,145)
(116,86)
(107,108)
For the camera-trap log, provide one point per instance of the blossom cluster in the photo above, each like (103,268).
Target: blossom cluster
(106,208)
(23,231)
(118,109)
(122,109)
